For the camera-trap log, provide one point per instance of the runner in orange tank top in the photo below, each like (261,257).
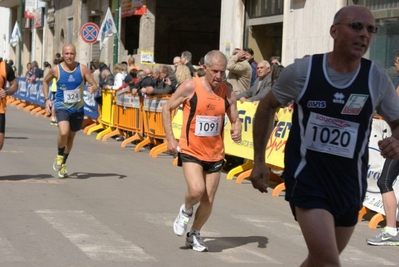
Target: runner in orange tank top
(205,101)
(203,115)
(6,74)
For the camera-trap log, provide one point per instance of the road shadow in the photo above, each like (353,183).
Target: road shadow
(15,137)
(19,177)
(87,175)
(218,244)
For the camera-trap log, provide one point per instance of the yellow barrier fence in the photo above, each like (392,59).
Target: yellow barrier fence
(106,117)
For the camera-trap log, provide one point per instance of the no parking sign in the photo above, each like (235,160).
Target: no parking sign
(89,32)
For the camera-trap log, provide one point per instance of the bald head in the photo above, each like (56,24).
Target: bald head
(68,47)
(347,13)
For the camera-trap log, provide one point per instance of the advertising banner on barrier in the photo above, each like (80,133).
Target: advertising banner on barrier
(33,93)
(90,105)
(128,100)
(276,145)
(22,92)
(244,149)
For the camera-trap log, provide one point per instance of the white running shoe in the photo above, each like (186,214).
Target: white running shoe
(182,219)
(63,173)
(195,242)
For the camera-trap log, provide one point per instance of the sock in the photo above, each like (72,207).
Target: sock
(194,232)
(391,230)
(188,212)
(65,158)
(61,151)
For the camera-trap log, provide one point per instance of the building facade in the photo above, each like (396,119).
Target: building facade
(155,31)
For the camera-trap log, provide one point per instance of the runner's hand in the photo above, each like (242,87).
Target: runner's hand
(389,147)
(48,106)
(260,177)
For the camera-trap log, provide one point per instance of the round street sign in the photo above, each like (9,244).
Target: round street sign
(89,32)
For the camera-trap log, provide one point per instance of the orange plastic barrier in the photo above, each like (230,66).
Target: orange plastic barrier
(153,126)
(128,116)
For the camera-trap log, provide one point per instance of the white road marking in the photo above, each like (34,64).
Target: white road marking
(8,253)
(96,240)
(353,256)
(292,232)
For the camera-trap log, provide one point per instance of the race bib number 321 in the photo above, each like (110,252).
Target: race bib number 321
(331,135)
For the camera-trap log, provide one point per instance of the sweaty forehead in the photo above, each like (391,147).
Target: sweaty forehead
(69,51)
(355,13)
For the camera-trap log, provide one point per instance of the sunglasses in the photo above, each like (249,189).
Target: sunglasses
(358,26)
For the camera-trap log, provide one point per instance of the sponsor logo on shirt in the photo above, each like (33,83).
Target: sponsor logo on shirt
(316,104)
(339,98)
(71,78)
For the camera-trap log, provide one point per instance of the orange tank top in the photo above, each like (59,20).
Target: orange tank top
(3,84)
(203,122)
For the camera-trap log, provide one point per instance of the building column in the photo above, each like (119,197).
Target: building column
(231,25)
(147,30)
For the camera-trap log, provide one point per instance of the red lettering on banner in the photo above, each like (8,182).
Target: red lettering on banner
(274,144)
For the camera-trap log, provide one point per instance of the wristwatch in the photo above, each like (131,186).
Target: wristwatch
(45,100)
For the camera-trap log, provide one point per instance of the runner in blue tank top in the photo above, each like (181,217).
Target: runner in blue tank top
(326,155)
(71,77)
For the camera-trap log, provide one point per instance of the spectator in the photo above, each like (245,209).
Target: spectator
(119,75)
(240,72)
(47,67)
(261,86)
(30,75)
(59,58)
(144,80)
(182,74)
(275,60)
(95,70)
(131,64)
(396,81)
(11,63)
(389,235)
(201,62)
(176,62)
(275,72)
(53,90)
(249,56)
(165,83)
(105,74)
(200,72)
(106,78)
(37,71)
(148,71)
(133,74)
(185,59)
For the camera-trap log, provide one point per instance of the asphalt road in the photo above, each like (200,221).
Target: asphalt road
(117,209)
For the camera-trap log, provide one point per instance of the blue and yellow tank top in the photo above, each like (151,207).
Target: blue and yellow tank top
(70,86)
